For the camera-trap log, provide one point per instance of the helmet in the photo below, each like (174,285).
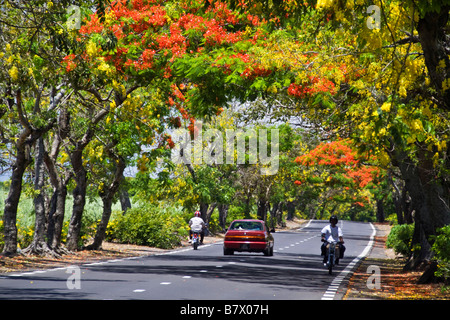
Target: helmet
(334,217)
(197,214)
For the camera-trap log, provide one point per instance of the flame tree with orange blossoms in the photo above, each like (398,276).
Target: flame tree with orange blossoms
(340,177)
(190,58)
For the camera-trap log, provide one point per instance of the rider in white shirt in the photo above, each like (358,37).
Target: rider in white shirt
(330,233)
(197,225)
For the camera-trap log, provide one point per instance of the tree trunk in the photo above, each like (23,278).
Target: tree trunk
(12,201)
(279,214)
(261,214)
(290,205)
(23,145)
(406,206)
(210,212)
(59,183)
(56,217)
(107,197)
(56,214)
(39,246)
(124,197)
(397,198)
(380,210)
(79,199)
(223,212)
(432,37)
(271,224)
(247,204)
(107,200)
(429,200)
(203,210)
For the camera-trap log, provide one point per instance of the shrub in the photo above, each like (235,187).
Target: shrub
(400,238)
(148,225)
(441,249)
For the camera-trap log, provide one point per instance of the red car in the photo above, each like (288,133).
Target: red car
(248,235)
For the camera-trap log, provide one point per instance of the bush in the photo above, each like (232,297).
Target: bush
(400,238)
(150,226)
(441,249)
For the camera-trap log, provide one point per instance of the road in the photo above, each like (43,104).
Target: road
(295,272)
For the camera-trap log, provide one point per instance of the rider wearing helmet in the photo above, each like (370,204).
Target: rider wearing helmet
(197,225)
(333,233)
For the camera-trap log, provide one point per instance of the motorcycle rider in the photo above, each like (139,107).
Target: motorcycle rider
(333,233)
(197,225)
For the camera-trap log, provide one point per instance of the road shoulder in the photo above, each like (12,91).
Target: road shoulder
(380,276)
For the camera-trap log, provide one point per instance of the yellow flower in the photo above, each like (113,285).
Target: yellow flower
(384,158)
(442,145)
(91,49)
(324,4)
(446,84)
(417,125)
(386,107)
(14,73)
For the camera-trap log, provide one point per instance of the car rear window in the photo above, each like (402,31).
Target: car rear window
(246,225)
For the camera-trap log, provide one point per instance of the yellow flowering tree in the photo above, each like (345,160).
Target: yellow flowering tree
(388,63)
(30,95)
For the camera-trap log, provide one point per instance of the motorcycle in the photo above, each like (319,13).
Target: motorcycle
(333,254)
(195,239)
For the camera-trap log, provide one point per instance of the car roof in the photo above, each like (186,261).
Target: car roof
(253,220)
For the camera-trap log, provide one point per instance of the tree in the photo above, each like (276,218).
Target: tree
(341,175)
(406,110)
(359,79)
(140,44)
(29,100)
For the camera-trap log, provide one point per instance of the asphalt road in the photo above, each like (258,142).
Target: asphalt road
(294,272)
